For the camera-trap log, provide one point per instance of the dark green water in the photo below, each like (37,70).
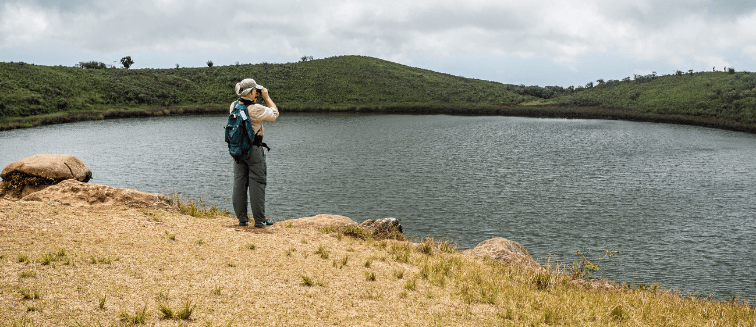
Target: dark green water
(679,202)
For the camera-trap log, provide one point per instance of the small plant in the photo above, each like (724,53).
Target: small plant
(200,242)
(290,251)
(368,262)
(165,310)
(426,246)
(251,246)
(29,294)
(27,274)
(370,275)
(197,208)
(217,290)
(307,281)
(186,310)
(399,274)
(139,316)
(231,264)
(48,259)
(324,254)
(102,302)
(618,313)
(410,284)
(585,267)
(31,308)
(101,259)
(23,258)
(305,241)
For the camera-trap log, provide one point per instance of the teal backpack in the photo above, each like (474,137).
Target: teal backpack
(239,132)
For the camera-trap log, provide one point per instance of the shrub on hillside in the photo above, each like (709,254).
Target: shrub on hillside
(91,65)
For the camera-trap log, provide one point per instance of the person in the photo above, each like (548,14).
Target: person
(250,173)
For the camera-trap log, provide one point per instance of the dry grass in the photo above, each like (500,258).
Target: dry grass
(112,266)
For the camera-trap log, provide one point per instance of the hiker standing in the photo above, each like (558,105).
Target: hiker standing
(250,172)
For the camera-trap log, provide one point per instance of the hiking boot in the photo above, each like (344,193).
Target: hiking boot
(263,224)
(243,223)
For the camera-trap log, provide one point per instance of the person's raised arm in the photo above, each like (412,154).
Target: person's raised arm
(268,101)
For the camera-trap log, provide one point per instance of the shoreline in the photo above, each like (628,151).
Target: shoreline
(532,111)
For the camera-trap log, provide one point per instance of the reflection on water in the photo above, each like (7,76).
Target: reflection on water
(677,201)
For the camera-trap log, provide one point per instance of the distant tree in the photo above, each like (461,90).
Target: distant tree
(177,66)
(714,68)
(600,81)
(209,63)
(690,71)
(731,70)
(626,79)
(303,59)
(589,85)
(92,65)
(127,62)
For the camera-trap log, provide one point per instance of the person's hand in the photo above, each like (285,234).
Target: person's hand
(264,93)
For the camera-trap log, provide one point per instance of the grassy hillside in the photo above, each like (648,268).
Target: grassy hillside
(32,95)
(339,82)
(710,94)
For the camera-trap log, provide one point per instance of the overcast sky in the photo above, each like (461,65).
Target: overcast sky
(519,42)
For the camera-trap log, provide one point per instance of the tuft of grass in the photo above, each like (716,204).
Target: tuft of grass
(34,307)
(28,274)
(29,294)
(399,274)
(324,254)
(426,246)
(410,284)
(251,246)
(186,310)
(401,251)
(618,313)
(23,258)
(341,263)
(170,236)
(139,316)
(100,259)
(197,207)
(307,281)
(166,310)
(368,262)
(370,275)
(217,290)
(290,251)
(102,302)
(200,242)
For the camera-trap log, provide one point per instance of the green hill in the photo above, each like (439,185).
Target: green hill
(32,95)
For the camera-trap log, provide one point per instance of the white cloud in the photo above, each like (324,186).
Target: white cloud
(682,33)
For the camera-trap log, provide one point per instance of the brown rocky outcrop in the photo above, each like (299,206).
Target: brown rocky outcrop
(34,173)
(322,220)
(75,193)
(384,228)
(503,250)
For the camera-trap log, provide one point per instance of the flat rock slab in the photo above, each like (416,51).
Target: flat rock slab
(51,166)
(503,250)
(75,193)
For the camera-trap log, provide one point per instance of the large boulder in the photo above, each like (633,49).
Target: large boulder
(503,250)
(75,193)
(386,228)
(34,173)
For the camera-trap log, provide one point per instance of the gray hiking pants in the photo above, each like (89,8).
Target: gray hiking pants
(250,174)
